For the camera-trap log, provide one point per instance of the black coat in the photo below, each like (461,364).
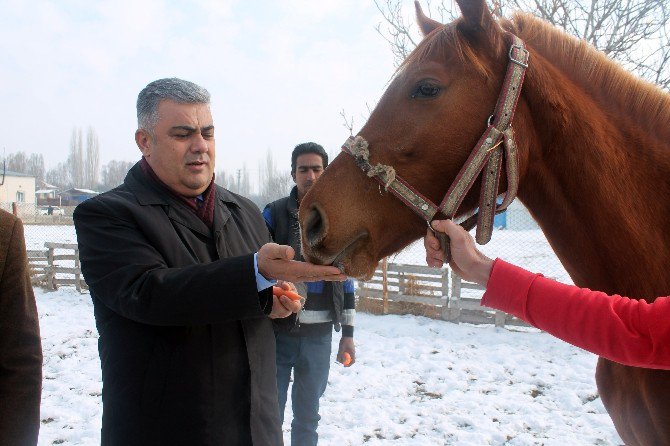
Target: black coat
(187,350)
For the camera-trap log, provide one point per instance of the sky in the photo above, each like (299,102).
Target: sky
(280,72)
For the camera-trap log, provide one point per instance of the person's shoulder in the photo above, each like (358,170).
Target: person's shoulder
(112,201)
(8,221)
(278,203)
(236,200)
(8,217)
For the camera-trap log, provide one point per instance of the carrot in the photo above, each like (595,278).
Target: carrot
(278,291)
(346,359)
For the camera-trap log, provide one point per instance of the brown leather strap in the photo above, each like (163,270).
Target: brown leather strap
(496,143)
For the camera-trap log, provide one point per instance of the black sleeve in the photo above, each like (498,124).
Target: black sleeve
(126,273)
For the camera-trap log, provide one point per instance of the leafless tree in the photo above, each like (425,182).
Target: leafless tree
(60,176)
(84,164)
(91,160)
(237,182)
(17,162)
(75,161)
(36,166)
(32,164)
(636,33)
(243,181)
(273,183)
(348,122)
(113,173)
(223,179)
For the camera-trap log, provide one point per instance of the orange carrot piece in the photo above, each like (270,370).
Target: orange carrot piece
(278,291)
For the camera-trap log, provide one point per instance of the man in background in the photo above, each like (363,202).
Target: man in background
(20,344)
(304,342)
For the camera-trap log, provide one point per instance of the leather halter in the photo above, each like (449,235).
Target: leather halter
(486,156)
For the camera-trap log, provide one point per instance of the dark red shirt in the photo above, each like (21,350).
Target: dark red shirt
(628,331)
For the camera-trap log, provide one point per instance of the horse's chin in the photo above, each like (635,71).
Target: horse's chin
(355,259)
(360,265)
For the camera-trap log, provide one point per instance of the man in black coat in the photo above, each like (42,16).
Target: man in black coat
(180,272)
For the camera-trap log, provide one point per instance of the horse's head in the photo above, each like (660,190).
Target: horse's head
(425,126)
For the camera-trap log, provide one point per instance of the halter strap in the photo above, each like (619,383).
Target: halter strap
(486,156)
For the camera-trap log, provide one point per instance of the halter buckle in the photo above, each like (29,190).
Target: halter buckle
(523,61)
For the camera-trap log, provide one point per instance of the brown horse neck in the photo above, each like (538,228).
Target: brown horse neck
(596,184)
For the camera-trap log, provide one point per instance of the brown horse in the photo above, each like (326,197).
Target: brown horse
(594,171)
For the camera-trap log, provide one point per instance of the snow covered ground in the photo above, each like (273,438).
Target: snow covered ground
(416,381)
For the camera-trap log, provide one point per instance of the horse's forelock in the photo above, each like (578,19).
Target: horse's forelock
(450,39)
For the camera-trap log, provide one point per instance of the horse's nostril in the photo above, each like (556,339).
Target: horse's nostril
(315,226)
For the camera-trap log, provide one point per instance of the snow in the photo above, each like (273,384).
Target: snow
(416,381)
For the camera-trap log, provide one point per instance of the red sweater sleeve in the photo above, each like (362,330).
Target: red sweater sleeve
(628,331)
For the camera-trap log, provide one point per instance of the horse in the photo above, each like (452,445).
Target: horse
(591,145)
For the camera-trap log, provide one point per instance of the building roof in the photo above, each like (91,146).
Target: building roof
(10,173)
(76,190)
(45,185)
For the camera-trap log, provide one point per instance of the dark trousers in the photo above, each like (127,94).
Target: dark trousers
(309,357)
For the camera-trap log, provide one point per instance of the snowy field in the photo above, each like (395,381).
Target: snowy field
(416,381)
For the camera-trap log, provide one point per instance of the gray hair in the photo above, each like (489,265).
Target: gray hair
(178,90)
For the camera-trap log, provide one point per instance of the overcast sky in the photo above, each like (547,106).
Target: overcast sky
(279,72)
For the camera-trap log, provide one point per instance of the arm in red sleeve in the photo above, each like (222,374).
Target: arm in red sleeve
(628,331)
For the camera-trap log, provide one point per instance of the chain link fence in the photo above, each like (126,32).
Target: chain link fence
(517,238)
(44,223)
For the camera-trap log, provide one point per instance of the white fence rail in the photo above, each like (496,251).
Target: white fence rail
(57,264)
(437,293)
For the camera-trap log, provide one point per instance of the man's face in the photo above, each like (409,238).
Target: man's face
(308,167)
(181,151)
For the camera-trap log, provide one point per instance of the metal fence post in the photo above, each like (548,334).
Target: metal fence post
(454,312)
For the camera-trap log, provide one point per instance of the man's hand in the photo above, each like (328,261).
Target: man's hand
(347,345)
(275,262)
(466,260)
(283,306)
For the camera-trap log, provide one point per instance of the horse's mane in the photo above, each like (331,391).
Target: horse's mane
(592,70)
(589,68)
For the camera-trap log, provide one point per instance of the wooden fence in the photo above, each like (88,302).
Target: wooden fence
(437,293)
(57,264)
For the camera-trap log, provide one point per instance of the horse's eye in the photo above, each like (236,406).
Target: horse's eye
(426,90)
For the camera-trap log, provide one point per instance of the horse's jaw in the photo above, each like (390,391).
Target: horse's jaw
(353,257)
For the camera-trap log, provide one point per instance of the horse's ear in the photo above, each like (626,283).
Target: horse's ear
(425,23)
(476,15)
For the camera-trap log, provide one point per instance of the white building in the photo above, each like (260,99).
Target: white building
(17,187)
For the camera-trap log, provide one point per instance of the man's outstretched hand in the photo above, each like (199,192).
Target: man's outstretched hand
(275,262)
